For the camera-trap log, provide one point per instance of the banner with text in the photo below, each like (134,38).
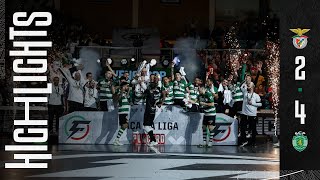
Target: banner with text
(172,125)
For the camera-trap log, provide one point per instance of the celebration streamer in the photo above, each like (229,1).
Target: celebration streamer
(273,64)
(233,43)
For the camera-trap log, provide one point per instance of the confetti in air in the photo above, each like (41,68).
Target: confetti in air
(273,64)
(233,43)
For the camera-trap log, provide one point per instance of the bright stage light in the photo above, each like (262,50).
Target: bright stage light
(165,63)
(153,62)
(124,62)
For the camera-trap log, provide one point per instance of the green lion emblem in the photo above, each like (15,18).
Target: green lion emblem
(300,141)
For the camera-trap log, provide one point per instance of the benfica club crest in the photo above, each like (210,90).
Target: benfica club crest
(300,41)
(300,141)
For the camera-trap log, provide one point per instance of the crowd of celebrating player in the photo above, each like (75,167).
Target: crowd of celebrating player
(233,96)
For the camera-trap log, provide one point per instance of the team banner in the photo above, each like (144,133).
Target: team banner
(173,126)
(132,72)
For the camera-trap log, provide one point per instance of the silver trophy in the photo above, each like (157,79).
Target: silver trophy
(141,66)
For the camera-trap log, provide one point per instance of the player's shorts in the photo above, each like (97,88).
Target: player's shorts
(179,102)
(209,120)
(107,105)
(194,108)
(148,119)
(237,106)
(103,105)
(123,119)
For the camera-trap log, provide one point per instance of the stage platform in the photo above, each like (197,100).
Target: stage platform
(104,162)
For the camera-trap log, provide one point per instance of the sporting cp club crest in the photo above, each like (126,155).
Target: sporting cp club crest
(300,41)
(300,141)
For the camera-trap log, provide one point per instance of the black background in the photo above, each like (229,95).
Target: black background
(305,15)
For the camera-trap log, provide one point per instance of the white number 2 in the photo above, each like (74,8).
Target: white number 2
(301,60)
(300,114)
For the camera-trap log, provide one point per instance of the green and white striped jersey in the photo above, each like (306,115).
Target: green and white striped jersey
(117,81)
(212,89)
(207,98)
(237,94)
(194,92)
(179,89)
(124,104)
(105,89)
(169,99)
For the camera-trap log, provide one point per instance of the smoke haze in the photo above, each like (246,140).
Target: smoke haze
(89,57)
(186,50)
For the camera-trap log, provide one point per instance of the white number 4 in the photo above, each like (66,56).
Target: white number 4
(300,114)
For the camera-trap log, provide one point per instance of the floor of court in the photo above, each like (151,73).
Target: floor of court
(99,162)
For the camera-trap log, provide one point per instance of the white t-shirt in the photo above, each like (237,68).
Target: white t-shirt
(75,88)
(251,110)
(55,97)
(90,97)
(76,91)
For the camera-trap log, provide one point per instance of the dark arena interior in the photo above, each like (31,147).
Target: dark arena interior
(161,89)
